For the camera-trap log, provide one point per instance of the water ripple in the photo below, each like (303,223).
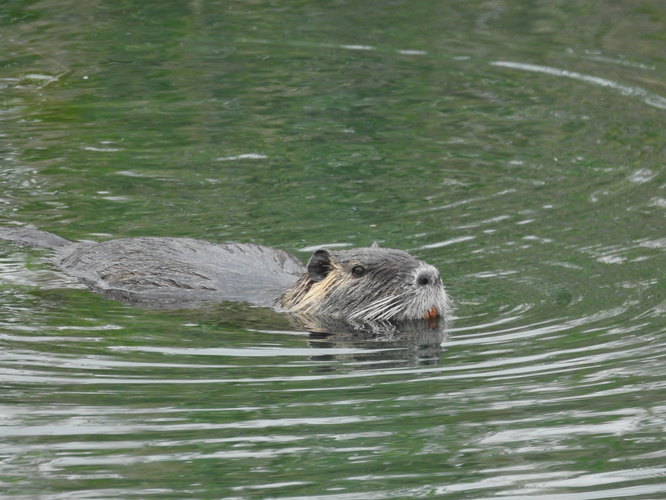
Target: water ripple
(647,97)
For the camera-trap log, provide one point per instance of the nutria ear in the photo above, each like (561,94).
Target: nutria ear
(375,244)
(319,265)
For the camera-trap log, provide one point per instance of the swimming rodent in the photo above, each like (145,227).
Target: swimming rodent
(362,284)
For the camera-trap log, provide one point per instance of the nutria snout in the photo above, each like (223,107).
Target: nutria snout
(367,284)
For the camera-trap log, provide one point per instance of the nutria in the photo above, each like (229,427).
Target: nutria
(363,284)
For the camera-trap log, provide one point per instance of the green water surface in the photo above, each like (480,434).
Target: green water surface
(518,146)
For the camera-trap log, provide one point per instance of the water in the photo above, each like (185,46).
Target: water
(519,148)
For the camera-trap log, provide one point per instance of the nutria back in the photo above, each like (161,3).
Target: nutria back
(181,271)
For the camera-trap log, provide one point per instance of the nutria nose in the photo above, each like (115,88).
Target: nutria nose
(428,277)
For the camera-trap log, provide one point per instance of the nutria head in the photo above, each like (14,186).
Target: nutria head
(367,284)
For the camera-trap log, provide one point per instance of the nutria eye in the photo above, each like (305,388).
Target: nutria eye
(358,271)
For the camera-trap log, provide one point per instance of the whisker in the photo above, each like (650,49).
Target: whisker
(378,306)
(388,309)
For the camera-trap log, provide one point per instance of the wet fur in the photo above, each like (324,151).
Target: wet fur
(388,290)
(184,272)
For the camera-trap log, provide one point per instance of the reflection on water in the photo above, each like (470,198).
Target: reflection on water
(518,150)
(415,342)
